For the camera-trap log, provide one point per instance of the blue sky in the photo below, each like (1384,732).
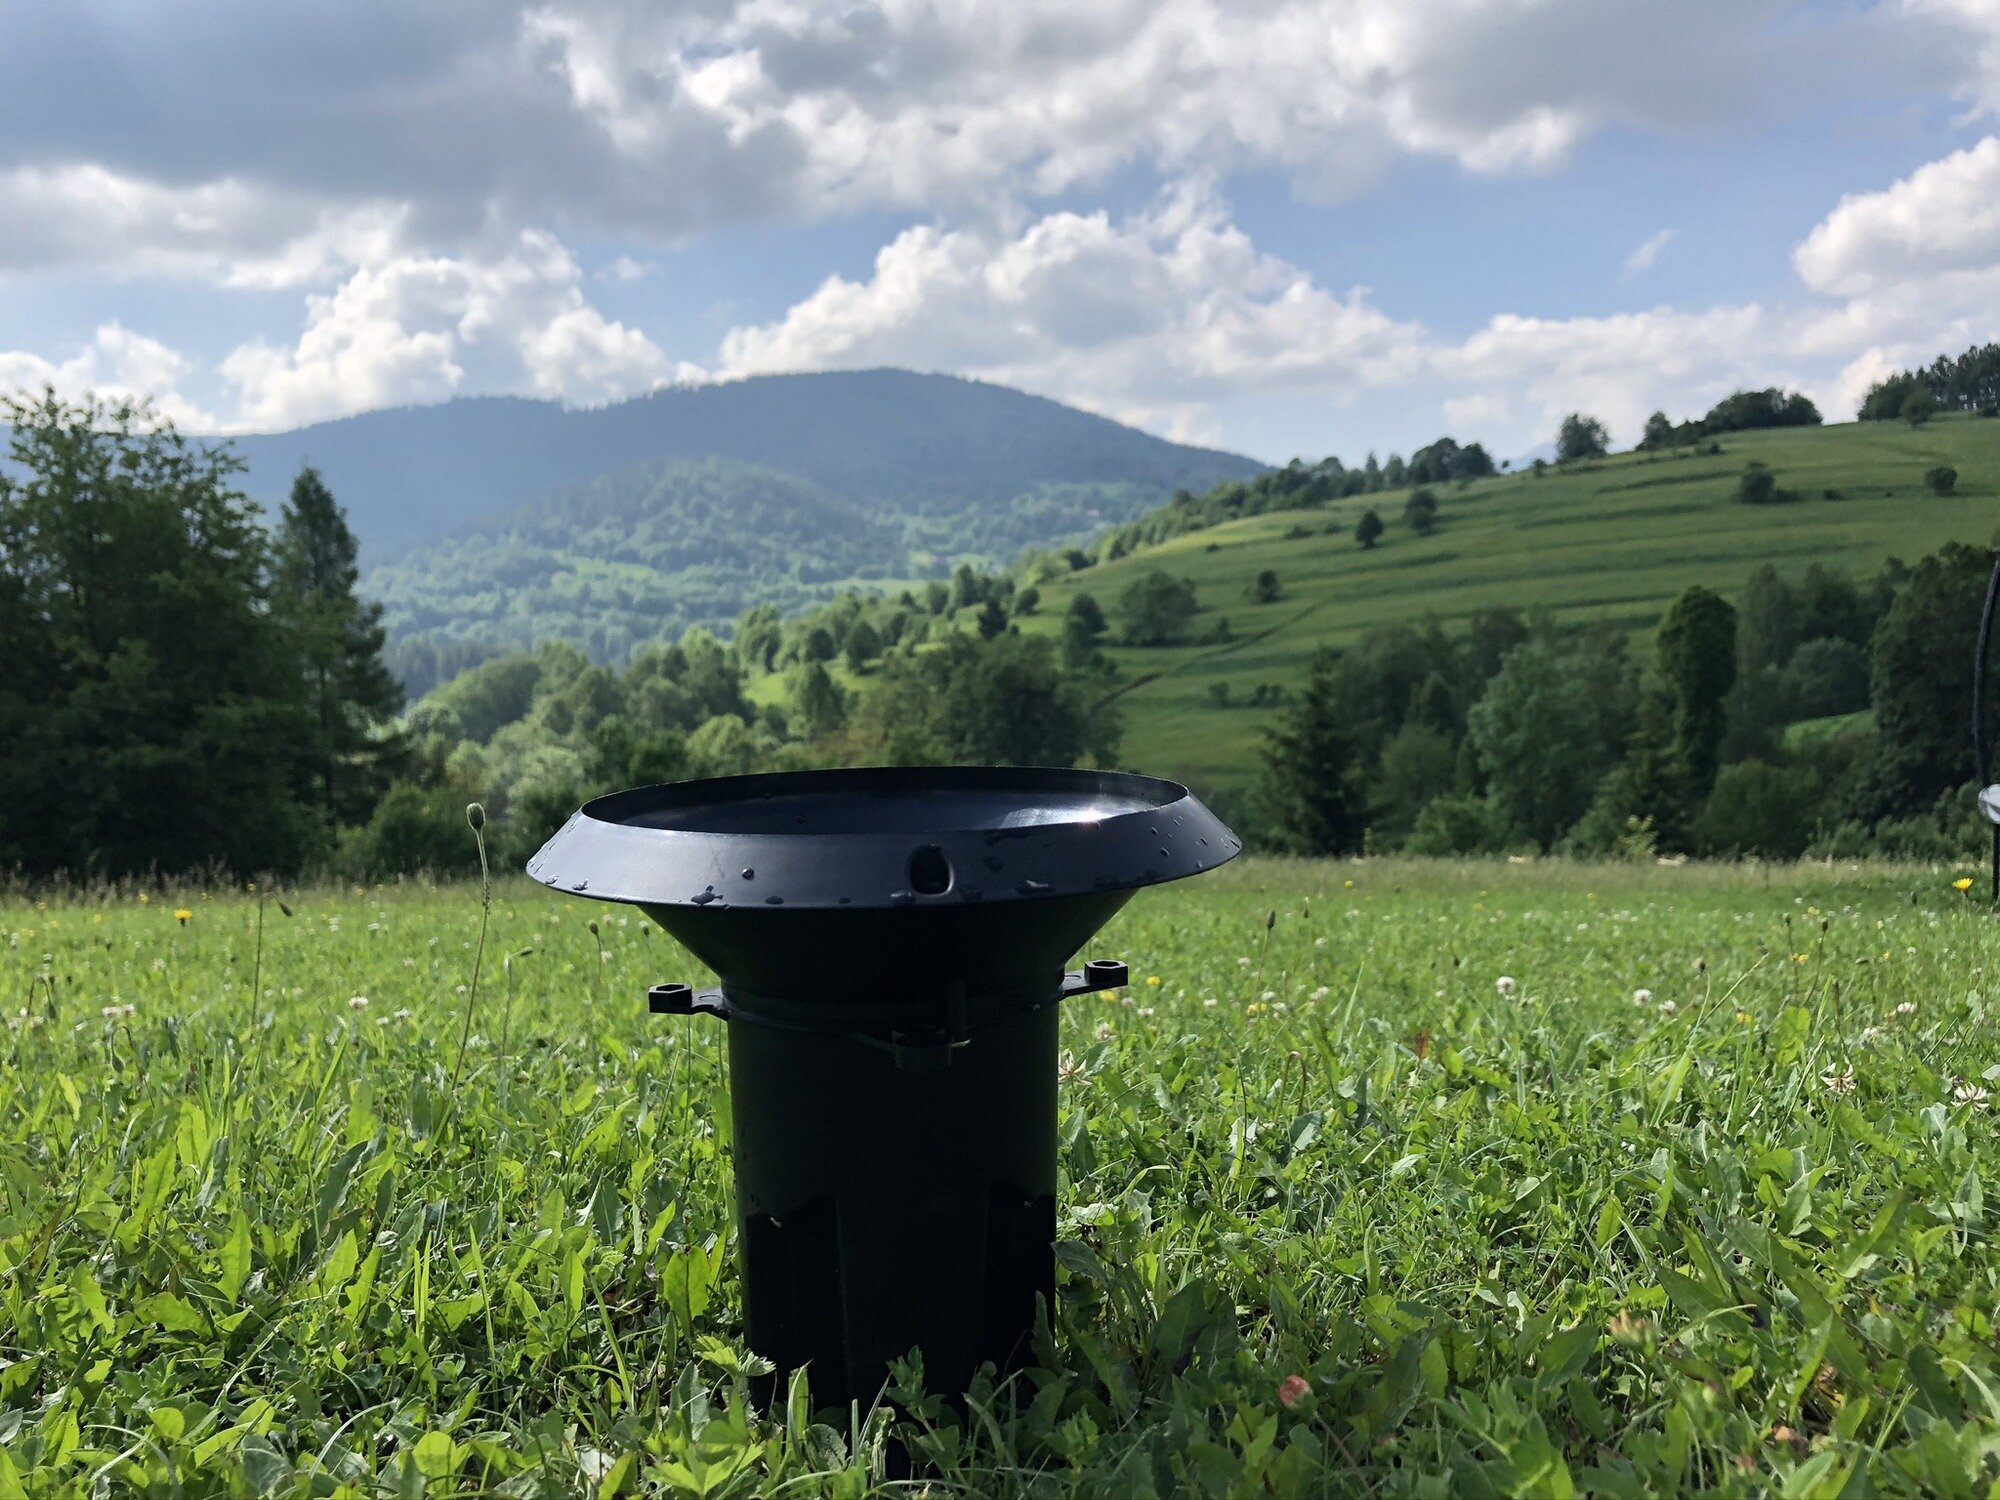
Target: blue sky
(1281,226)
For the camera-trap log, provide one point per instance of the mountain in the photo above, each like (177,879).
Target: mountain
(1615,539)
(950,459)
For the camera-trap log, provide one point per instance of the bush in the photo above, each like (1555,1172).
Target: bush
(1757,808)
(1460,825)
(413,829)
(1942,480)
(1756,485)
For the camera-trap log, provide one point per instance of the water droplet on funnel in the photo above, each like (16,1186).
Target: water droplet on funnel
(774,900)
(581,885)
(1032,887)
(901,898)
(748,873)
(704,898)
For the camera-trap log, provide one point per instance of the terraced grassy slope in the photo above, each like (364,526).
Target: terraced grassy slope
(1617,539)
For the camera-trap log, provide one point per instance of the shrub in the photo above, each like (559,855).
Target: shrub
(1756,485)
(1942,480)
(1757,808)
(1460,825)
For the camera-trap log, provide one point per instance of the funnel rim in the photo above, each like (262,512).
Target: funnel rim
(626,846)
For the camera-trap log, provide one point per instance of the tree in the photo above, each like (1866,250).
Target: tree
(1368,530)
(1581,437)
(819,645)
(355,750)
(997,702)
(1921,689)
(1305,793)
(1536,734)
(1028,600)
(1156,608)
(822,705)
(1085,610)
(1918,407)
(1420,512)
(152,708)
(992,619)
(1417,764)
(1696,648)
(863,645)
(1824,677)
(1942,480)
(1659,432)
(1266,589)
(1744,411)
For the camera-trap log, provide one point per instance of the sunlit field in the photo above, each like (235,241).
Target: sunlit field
(1381,1177)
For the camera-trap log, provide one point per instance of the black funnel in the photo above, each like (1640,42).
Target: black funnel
(892,946)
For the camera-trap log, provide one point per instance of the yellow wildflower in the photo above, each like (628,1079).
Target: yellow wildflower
(181,915)
(1153,979)
(1963,883)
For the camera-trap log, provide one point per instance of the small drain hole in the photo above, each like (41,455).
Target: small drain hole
(930,871)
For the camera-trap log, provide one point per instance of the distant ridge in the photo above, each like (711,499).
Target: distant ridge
(892,441)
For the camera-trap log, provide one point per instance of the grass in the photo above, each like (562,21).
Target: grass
(1616,539)
(1539,1177)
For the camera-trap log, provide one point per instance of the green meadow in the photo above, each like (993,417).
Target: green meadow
(1382,1177)
(1614,539)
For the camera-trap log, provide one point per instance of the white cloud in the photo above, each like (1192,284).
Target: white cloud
(1648,251)
(1141,316)
(116,364)
(421,328)
(89,219)
(1943,217)
(935,101)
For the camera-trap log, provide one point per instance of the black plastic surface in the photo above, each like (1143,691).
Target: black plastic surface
(883,838)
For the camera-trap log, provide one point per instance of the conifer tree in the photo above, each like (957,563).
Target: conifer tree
(351,695)
(1308,801)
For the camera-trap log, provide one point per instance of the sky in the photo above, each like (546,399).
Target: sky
(1283,227)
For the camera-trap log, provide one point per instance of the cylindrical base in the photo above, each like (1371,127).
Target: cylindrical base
(884,1209)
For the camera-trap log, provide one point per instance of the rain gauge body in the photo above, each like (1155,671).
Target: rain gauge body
(892,947)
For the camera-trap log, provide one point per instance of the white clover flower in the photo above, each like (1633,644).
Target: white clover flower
(1268,995)
(1242,963)
(1069,1070)
(1667,1007)
(358,1002)
(404,1013)
(1972,1094)
(1208,1002)
(1145,1010)
(1103,1032)
(1838,1079)
(1320,993)
(1319,942)
(1505,984)
(1870,1035)
(1907,1008)
(1642,997)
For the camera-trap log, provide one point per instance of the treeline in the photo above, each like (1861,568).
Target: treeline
(1813,715)
(183,689)
(1741,411)
(1969,383)
(1297,486)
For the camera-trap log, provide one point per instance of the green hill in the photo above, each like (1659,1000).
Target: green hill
(1615,538)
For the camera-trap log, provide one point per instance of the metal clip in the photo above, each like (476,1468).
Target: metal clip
(686,1000)
(1097,974)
